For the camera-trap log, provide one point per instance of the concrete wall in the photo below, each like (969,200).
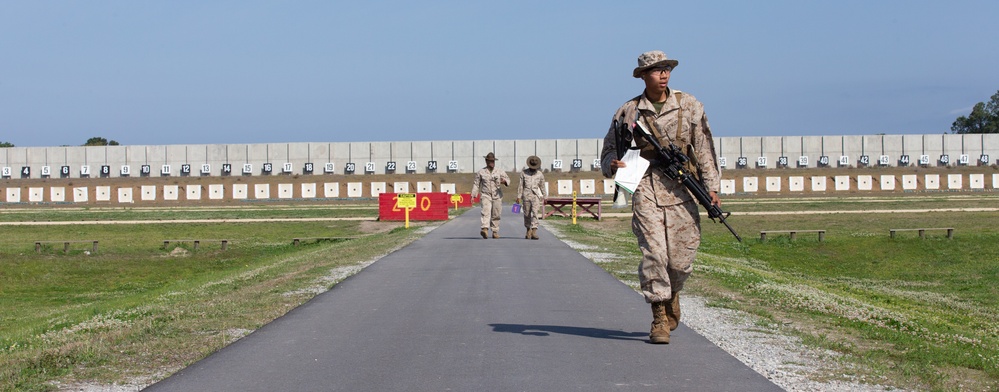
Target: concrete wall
(466,156)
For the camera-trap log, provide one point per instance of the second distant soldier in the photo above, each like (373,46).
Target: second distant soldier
(531,192)
(487,183)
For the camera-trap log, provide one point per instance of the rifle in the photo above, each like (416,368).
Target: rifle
(671,162)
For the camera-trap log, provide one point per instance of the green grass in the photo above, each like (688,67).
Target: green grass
(137,311)
(921,313)
(176,213)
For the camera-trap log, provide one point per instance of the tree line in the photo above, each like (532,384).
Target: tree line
(984,118)
(94,141)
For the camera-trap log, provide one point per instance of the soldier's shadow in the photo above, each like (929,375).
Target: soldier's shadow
(546,330)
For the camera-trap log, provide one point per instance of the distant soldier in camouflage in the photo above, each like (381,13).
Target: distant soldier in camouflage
(531,192)
(665,219)
(487,183)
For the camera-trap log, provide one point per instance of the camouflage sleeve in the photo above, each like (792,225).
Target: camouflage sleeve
(520,186)
(608,153)
(706,157)
(541,185)
(505,177)
(475,185)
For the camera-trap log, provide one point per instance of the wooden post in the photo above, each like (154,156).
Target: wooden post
(95,247)
(38,247)
(196,242)
(822,235)
(792,235)
(224,244)
(922,233)
(65,247)
(950,233)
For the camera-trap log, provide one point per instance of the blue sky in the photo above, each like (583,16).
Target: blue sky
(191,72)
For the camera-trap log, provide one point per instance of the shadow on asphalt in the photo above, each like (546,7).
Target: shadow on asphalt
(545,330)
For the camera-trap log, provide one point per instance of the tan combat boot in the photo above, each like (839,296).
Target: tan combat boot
(534,234)
(495,233)
(484,233)
(660,324)
(673,310)
(528,235)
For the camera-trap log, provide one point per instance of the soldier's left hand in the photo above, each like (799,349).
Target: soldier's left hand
(714,198)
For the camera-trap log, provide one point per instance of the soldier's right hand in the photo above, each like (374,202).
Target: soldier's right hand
(617,164)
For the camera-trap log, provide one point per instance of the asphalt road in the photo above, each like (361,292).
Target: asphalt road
(455,312)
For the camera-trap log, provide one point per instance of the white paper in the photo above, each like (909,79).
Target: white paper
(631,174)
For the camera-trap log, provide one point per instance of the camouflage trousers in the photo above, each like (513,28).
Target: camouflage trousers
(532,211)
(669,238)
(491,210)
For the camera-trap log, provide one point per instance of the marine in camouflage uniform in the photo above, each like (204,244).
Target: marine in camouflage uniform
(487,183)
(531,192)
(665,219)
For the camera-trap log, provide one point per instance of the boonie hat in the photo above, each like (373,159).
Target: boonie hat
(534,162)
(652,59)
(491,157)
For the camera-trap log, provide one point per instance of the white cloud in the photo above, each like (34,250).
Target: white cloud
(966,110)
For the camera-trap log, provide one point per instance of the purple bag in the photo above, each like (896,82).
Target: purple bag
(515,208)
